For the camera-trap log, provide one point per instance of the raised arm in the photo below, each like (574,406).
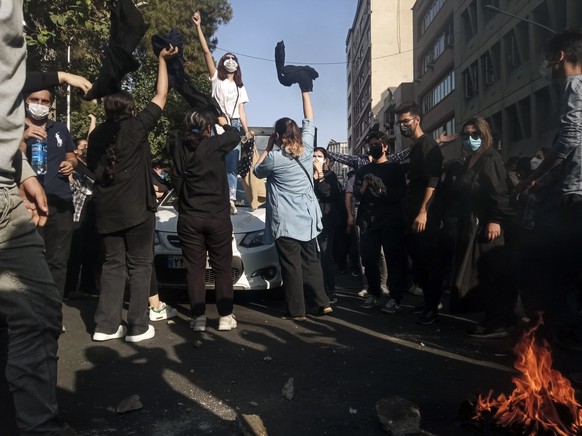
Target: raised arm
(162,87)
(197,20)
(307,109)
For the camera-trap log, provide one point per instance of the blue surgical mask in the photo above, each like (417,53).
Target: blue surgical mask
(472,144)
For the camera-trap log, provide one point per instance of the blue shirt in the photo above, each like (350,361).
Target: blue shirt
(58,142)
(568,144)
(292,207)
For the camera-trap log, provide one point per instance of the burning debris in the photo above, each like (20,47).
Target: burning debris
(542,403)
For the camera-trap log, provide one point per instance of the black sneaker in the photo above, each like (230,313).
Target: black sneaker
(427,317)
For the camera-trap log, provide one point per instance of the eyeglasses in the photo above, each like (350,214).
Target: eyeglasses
(473,135)
(406,121)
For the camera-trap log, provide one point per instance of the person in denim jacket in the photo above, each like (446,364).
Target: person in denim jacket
(293,214)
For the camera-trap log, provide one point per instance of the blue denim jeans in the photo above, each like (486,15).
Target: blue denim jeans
(30,306)
(231,160)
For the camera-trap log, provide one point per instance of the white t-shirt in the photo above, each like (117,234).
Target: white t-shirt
(225,93)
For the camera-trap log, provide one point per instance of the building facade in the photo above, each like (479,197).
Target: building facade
(379,59)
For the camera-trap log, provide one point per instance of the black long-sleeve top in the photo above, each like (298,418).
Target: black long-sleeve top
(380,204)
(204,191)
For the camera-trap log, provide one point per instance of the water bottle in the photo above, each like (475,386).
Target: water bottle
(39,157)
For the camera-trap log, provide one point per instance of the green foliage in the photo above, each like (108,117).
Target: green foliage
(83,25)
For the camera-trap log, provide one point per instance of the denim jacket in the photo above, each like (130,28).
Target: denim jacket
(568,144)
(292,207)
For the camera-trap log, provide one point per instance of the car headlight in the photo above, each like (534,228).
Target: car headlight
(157,239)
(253,239)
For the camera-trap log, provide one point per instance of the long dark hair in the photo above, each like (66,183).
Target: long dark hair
(223,74)
(197,127)
(482,127)
(118,107)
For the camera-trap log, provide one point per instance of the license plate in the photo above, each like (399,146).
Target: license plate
(176,262)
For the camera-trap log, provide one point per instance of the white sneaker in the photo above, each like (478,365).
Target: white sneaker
(149,333)
(100,337)
(162,312)
(198,324)
(363,293)
(233,209)
(227,322)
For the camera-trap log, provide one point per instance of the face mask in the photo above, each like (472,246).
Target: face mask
(230,65)
(472,144)
(320,159)
(376,151)
(406,130)
(38,111)
(535,162)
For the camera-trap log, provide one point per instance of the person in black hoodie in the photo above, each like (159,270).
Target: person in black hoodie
(204,221)
(120,158)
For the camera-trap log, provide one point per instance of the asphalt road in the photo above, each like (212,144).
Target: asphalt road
(196,383)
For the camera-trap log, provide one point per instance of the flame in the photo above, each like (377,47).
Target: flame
(541,398)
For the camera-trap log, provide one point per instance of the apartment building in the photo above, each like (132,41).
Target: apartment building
(342,148)
(379,59)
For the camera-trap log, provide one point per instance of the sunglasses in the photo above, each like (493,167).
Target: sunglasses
(474,135)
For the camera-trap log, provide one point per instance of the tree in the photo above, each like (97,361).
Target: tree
(83,25)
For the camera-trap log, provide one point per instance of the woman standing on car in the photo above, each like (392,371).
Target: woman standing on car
(293,213)
(231,95)
(204,220)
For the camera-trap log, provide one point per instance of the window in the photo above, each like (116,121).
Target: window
(441,43)
(469,18)
(439,92)
(511,50)
(488,70)
(471,81)
(430,15)
(447,127)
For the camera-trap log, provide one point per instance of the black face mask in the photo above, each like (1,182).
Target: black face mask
(376,151)
(406,131)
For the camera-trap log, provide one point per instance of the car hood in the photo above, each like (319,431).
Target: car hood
(245,221)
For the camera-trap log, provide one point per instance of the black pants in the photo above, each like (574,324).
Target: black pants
(302,275)
(427,263)
(57,234)
(197,237)
(85,255)
(326,240)
(391,239)
(130,251)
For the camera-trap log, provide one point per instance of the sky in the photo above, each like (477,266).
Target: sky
(315,33)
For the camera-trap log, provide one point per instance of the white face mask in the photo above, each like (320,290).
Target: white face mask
(230,65)
(535,162)
(319,159)
(38,111)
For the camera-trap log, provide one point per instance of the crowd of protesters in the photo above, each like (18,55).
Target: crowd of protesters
(485,230)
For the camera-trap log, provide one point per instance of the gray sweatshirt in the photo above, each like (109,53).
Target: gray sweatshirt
(13,166)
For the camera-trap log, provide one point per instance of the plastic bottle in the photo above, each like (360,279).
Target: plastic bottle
(38,160)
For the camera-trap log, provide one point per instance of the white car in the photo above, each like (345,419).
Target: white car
(255,265)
